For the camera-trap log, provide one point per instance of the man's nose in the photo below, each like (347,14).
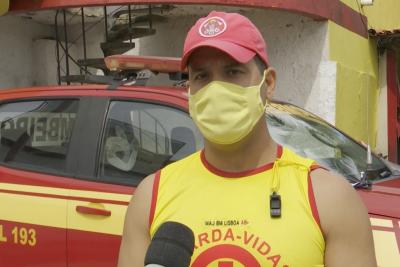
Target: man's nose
(217,76)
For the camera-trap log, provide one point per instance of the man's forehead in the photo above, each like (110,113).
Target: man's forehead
(206,56)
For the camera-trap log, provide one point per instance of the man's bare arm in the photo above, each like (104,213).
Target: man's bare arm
(136,238)
(345,222)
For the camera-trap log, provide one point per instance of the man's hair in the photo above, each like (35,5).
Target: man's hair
(260,64)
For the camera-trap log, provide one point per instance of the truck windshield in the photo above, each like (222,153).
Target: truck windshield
(314,138)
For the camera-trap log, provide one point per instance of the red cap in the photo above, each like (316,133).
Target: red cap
(231,33)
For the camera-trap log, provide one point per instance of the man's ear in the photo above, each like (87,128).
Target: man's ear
(270,82)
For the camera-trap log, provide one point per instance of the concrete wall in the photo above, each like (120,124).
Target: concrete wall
(28,50)
(4,5)
(383,14)
(382,117)
(356,84)
(44,56)
(95,35)
(17,37)
(362,84)
(297,47)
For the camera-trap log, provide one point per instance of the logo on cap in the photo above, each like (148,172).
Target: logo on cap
(212,27)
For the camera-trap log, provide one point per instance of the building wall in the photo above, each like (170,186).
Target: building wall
(351,3)
(44,55)
(28,48)
(356,81)
(360,84)
(17,50)
(383,14)
(94,36)
(4,5)
(382,116)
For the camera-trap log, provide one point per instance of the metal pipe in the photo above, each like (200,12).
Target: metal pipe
(84,38)
(130,24)
(155,128)
(57,49)
(150,19)
(140,128)
(66,45)
(106,22)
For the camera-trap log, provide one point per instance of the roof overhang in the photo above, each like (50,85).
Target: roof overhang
(386,39)
(333,10)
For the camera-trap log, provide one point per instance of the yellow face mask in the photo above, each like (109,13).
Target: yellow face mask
(224,112)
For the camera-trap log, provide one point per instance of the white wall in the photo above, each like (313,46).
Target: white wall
(17,36)
(382,123)
(321,100)
(44,56)
(28,49)
(95,35)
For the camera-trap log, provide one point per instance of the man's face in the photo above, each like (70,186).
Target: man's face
(208,64)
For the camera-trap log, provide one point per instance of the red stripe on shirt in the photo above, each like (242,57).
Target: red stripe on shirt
(254,171)
(154,197)
(311,197)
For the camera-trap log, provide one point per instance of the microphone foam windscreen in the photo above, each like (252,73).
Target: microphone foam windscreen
(171,246)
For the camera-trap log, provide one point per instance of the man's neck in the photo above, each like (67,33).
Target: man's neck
(253,151)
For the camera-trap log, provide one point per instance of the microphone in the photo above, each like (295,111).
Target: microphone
(172,246)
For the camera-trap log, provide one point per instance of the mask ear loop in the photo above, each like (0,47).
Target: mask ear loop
(275,202)
(267,101)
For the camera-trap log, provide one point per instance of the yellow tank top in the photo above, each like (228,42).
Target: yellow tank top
(229,213)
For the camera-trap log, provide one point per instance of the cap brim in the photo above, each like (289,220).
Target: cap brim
(237,52)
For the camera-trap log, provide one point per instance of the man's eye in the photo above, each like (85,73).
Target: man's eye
(200,76)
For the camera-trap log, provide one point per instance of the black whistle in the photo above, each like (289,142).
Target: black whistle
(275,205)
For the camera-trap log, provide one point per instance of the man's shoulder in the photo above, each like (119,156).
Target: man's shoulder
(331,185)
(289,155)
(331,188)
(344,220)
(336,199)
(182,163)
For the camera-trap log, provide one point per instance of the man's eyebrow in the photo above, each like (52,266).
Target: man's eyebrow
(196,69)
(234,64)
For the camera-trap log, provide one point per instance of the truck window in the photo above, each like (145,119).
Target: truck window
(35,135)
(141,138)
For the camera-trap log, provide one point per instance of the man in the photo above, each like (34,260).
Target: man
(248,200)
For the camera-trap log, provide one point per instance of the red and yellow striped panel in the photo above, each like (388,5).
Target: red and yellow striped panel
(37,205)
(386,234)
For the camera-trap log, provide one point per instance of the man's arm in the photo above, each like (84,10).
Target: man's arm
(136,238)
(344,221)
